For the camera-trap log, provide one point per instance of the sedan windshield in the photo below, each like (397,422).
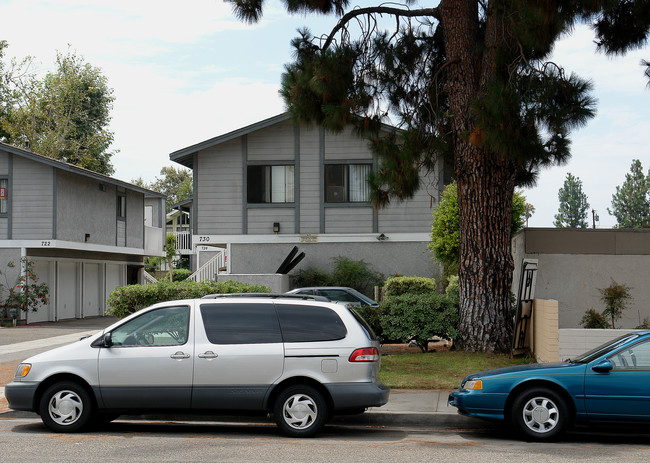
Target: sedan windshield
(362,297)
(604,349)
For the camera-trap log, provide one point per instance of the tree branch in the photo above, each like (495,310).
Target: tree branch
(398,12)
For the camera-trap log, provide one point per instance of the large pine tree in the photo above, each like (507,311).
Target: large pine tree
(573,209)
(466,80)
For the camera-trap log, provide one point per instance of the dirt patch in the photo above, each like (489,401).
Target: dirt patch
(437,346)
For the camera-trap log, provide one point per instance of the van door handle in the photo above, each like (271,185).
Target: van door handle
(208,355)
(180,355)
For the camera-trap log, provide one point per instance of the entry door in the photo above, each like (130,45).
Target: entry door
(92,290)
(624,392)
(68,290)
(239,355)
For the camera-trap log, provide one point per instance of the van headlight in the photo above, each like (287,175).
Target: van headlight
(23,370)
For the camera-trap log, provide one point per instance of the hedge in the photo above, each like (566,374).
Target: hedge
(397,286)
(419,318)
(128,299)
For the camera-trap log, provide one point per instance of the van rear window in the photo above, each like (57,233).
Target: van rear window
(302,323)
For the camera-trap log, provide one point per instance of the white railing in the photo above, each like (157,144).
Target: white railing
(183,242)
(148,278)
(210,269)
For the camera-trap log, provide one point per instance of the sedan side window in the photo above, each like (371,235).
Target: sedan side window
(636,357)
(168,326)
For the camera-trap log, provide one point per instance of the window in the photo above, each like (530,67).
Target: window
(240,323)
(121,206)
(162,327)
(347,183)
(636,357)
(310,324)
(270,184)
(4,190)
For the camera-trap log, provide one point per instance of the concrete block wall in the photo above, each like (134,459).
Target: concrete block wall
(574,342)
(545,342)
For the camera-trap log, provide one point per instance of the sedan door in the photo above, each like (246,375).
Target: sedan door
(622,393)
(149,365)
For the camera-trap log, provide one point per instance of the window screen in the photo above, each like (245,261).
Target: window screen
(302,323)
(240,323)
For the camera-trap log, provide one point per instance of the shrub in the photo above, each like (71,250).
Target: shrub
(397,286)
(419,318)
(615,298)
(593,320)
(355,274)
(452,289)
(311,277)
(180,274)
(128,299)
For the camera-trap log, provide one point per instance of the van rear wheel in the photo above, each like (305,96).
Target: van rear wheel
(300,411)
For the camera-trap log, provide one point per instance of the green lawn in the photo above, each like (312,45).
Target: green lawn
(439,370)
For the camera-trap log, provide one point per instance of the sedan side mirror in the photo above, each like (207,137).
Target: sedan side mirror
(603,367)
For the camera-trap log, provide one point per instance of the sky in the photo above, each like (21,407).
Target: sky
(184,72)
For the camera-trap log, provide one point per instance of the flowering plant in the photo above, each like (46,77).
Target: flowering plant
(27,293)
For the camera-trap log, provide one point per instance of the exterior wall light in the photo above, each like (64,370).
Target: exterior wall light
(276,227)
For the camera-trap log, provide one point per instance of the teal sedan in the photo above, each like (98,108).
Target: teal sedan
(609,384)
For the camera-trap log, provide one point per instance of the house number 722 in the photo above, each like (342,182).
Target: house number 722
(46,243)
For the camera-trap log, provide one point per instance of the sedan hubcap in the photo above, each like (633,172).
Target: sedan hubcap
(65,407)
(299,411)
(541,415)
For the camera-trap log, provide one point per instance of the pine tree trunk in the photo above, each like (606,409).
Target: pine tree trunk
(485,185)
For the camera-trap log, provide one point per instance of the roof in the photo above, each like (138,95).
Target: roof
(77,170)
(185,156)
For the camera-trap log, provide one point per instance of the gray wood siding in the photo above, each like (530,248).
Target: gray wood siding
(412,216)
(348,219)
(4,163)
(32,200)
(310,180)
(121,233)
(272,144)
(346,146)
(220,196)
(260,221)
(134,219)
(82,207)
(4,224)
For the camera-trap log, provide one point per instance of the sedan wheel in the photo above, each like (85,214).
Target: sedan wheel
(540,413)
(65,407)
(300,411)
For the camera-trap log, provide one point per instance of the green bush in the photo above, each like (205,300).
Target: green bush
(452,289)
(419,318)
(355,274)
(594,320)
(180,274)
(128,299)
(311,277)
(397,286)
(373,316)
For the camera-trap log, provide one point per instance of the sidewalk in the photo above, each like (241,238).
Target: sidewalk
(409,408)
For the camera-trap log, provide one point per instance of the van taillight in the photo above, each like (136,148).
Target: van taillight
(367,354)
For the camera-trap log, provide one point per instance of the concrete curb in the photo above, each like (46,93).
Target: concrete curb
(368,419)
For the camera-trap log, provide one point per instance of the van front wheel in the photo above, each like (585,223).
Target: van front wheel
(66,407)
(300,411)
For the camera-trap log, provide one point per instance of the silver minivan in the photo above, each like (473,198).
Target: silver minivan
(298,358)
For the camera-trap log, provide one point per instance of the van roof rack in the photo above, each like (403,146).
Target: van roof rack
(299,297)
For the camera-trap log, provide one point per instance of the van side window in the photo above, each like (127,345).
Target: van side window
(167,326)
(302,323)
(240,323)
